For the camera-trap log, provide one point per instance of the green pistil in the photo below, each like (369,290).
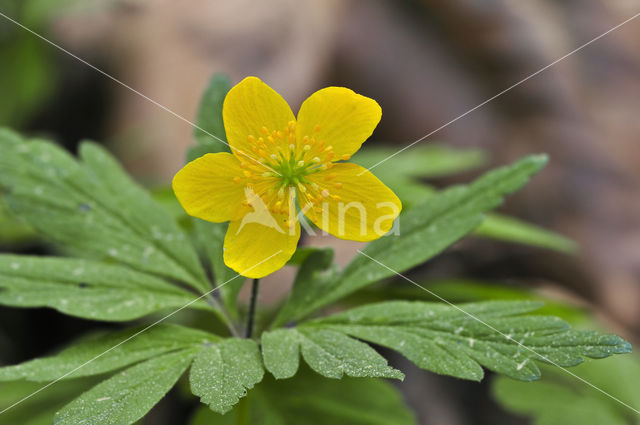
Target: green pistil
(292,174)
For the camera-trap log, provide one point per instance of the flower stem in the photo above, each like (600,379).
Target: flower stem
(252,307)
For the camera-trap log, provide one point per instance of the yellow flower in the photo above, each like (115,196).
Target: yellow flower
(278,161)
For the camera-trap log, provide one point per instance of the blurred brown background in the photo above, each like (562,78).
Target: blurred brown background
(426,62)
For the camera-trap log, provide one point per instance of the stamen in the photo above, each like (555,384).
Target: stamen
(331,176)
(300,163)
(264,130)
(237,180)
(316,128)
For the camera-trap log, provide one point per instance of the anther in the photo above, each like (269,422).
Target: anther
(316,128)
(345,157)
(292,147)
(237,180)
(264,130)
(306,148)
(300,163)
(331,176)
(324,193)
(251,139)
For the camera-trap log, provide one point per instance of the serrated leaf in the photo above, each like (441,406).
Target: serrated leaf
(310,399)
(209,120)
(128,395)
(457,340)
(94,209)
(401,174)
(425,231)
(281,353)
(559,398)
(106,352)
(86,288)
(222,373)
(331,354)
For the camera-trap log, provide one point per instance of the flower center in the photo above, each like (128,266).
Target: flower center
(280,164)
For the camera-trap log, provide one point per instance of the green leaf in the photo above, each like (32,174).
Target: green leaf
(309,399)
(281,352)
(130,394)
(86,288)
(107,352)
(94,209)
(425,231)
(559,398)
(433,161)
(455,341)
(331,354)
(494,226)
(13,231)
(316,271)
(222,373)
(510,229)
(40,407)
(228,283)
(465,290)
(426,161)
(209,120)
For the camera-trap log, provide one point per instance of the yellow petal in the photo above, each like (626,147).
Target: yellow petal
(354,206)
(205,187)
(340,118)
(256,248)
(250,109)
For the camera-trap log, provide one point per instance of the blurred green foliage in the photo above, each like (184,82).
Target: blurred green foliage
(29,67)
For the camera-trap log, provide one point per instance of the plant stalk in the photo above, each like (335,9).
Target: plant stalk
(252,307)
